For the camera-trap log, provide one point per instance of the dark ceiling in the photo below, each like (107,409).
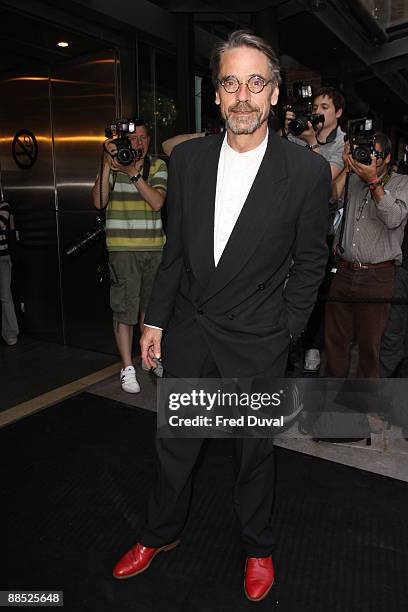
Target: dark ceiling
(337,38)
(26,42)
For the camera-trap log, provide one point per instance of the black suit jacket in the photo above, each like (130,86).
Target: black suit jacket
(244,310)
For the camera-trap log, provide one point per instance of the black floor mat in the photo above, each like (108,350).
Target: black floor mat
(79,478)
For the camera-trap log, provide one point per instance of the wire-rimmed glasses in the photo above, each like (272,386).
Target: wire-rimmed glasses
(255,84)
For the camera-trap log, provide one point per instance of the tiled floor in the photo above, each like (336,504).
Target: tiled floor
(34,367)
(111,388)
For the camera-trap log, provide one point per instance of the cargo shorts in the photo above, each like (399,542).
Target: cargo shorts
(131,276)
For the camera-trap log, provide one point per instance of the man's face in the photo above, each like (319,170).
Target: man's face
(323,105)
(140,139)
(243,111)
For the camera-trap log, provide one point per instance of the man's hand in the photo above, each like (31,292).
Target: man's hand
(109,150)
(150,344)
(346,156)
(289,116)
(133,168)
(309,135)
(366,173)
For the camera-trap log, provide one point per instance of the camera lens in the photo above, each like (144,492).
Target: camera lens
(125,156)
(362,155)
(297,126)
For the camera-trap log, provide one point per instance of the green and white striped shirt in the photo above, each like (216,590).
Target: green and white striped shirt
(131,224)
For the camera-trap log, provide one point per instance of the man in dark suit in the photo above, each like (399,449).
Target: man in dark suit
(245,254)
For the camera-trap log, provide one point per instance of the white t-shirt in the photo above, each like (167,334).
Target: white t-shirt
(236,173)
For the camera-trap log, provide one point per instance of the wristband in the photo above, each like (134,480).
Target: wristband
(313,147)
(135,178)
(373,181)
(372,186)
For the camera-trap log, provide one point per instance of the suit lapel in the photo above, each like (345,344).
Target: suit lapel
(201,247)
(263,204)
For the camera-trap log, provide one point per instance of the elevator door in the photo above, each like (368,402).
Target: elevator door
(28,182)
(83,104)
(55,115)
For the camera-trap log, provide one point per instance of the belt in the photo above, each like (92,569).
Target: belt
(357,265)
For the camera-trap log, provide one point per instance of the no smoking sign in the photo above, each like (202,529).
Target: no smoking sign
(24,149)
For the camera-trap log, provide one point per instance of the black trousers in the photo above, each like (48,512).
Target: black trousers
(253,492)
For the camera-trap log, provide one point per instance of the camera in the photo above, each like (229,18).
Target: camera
(119,130)
(87,239)
(302,106)
(361,135)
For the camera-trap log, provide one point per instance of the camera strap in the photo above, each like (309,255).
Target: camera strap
(330,138)
(103,208)
(339,246)
(146,167)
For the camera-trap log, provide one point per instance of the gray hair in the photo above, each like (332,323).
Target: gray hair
(244,38)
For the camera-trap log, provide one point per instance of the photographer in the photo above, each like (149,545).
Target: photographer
(326,139)
(368,247)
(133,194)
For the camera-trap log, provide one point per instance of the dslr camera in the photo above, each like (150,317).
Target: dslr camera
(361,136)
(302,106)
(119,130)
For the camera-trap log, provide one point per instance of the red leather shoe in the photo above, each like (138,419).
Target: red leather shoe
(138,559)
(259,577)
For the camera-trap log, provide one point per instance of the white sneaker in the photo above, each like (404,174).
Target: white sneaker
(312,360)
(128,380)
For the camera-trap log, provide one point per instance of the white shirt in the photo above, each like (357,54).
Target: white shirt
(236,173)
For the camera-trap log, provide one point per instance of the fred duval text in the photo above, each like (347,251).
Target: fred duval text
(249,420)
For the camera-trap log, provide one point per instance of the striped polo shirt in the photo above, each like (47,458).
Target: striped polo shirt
(131,224)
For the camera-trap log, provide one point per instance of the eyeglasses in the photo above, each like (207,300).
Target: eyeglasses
(255,84)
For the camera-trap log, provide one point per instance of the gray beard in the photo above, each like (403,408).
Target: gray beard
(241,127)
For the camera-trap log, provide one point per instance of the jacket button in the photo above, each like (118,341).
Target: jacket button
(261,286)
(200,312)
(231,316)
(188,269)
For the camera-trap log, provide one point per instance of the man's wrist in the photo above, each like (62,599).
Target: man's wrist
(313,147)
(376,189)
(135,177)
(374,183)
